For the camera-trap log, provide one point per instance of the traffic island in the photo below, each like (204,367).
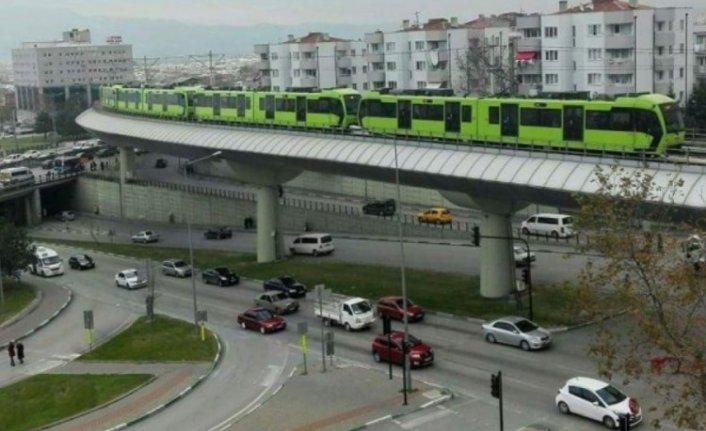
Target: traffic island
(18,296)
(342,398)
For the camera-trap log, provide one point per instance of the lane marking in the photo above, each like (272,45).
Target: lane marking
(414,423)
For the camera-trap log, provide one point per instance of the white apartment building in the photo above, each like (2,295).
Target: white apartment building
(700,50)
(316,60)
(607,47)
(47,73)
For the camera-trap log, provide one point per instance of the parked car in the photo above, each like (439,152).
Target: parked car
(107,152)
(314,244)
(14,158)
(288,285)
(380,208)
(130,279)
(420,354)
(554,225)
(145,236)
(81,261)
(517,331)
(276,302)
(218,233)
(32,154)
(260,319)
(393,307)
(435,216)
(48,164)
(176,268)
(597,400)
(160,163)
(220,277)
(66,216)
(522,256)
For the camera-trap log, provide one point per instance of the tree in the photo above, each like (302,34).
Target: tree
(15,253)
(43,123)
(696,107)
(483,66)
(643,272)
(66,117)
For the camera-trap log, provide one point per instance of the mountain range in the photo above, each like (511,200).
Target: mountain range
(156,38)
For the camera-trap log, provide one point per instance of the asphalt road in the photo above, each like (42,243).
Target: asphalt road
(464,361)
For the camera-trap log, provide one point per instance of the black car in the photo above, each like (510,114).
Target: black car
(218,233)
(81,261)
(380,208)
(220,277)
(287,285)
(160,163)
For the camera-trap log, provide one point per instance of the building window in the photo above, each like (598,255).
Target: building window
(354,86)
(660,25)
(419,45)
(390,46)
(594,78)
(392,84)
(660,51)
(365,86)
(670,26)
(365,69)
(660,75)
(681,72)
(620,79)
(550,32)
(671,74)
(595,54)
(671,50)
(421,84)
(681,24)
(274,56)
(296,73)
(295,55)
(275,73)
(551,78)
(421,65)
(594,29)
(352,52)
(552,55)
(391,65)
(354,70)
(681,48)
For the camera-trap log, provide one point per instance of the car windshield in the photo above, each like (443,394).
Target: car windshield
(288,281)
(264,315)
(361,307)
(50,260)
(399,303)
(130,274)
(351,101)
(82,258)
(526,326)
(414,341)
(179,263)
(611,395)
(280,297)
(222,271)
(673,119)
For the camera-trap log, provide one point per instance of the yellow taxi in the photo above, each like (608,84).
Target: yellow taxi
(435,215)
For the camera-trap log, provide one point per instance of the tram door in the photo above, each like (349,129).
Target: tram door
(573,123)
(453,117)
(301,109)
(241,105)
(404,114)
(216,104)
(508,119)
(270,107)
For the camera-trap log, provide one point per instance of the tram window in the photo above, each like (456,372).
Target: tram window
(284,105)
(389,110)
(598,120)
(620,119)
(428,112)
(230,102)
(466,114)
(493,115)
(540,117)
(647,122)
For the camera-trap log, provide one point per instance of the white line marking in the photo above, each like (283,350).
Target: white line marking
(374,421)
(271,376)
(411,424)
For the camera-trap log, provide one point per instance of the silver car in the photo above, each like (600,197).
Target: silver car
(277,302)
(517,331)
(176,268)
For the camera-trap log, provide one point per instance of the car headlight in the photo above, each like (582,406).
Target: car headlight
(224,278)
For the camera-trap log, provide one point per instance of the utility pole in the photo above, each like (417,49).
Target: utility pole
(511,61)
(147,79)
(211,80)
(416,20)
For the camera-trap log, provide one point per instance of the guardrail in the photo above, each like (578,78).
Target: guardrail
(49,177)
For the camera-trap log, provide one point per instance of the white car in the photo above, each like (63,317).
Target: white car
(597,400)
(145,236)
(129,279)
(314,244)
(66,216)
(32,154)
(522,256)
(14,158)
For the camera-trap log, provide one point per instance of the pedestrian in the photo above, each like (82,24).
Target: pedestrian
(20,352)
(102,166)
(11,352)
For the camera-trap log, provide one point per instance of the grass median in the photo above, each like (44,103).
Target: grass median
(453,293)
(162,339)
(46,398)
(17,297)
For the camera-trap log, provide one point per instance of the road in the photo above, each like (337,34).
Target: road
(464,361)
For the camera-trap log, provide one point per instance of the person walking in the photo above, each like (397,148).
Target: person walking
(11,352)
(20,352)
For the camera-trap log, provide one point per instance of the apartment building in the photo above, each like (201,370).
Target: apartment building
(315,60)
(700,50)
(48,73)
(606,47)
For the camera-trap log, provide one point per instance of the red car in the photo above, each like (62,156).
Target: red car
(392,306)
(420,354)
(261,319)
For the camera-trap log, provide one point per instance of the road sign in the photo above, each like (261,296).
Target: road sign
(202,316)
(88,319)
(302,328)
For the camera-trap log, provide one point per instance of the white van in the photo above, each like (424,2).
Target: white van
(554,225)
(16,176)
(46,263)
(313,244)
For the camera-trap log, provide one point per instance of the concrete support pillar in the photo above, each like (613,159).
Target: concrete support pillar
(89,96)
(127,171)
(67,92)
(497,264)
(36,206)
(267,224)
(28,210)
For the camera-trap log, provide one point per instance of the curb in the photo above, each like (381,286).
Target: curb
(442,399)
(25,311)
(47,320)
(180,395)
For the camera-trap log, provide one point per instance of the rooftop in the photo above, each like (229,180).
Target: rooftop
(314,37)
(604,6)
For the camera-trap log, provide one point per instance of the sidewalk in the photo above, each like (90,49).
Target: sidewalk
(343,398)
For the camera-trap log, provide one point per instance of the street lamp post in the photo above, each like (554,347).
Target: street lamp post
(191,243)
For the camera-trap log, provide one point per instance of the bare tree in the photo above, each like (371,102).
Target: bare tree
(480,65)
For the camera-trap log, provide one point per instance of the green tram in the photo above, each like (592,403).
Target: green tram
(649,123)
(335,108)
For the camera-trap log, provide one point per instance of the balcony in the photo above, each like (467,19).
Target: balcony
(529,89)
(532,44)
(307,63)
(376,75)
(346,62)
(346,80)
(528,68)
(614,65)
(700,49)
(305,81)
(375,57)
(377,37)
(664,62)
(700,70)
(437,75)
(617,41)
(664,88)
(664,39)
(263,64)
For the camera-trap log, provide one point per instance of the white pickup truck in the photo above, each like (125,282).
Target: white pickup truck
(348,311)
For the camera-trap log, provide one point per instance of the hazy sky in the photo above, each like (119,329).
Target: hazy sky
(244,12)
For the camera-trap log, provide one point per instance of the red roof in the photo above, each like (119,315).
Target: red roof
(603,6)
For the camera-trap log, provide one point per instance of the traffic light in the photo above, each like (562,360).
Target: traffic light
(496,385)
(526,275)
(476,236)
